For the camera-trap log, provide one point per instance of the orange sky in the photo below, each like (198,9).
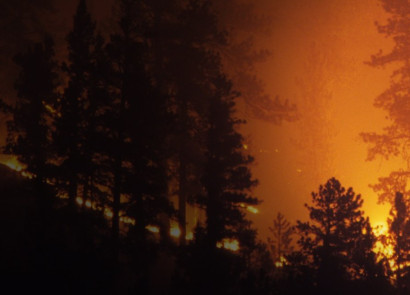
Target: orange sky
(318,53)
(319,48)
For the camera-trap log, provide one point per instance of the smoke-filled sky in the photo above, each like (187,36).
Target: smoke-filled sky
(318,52)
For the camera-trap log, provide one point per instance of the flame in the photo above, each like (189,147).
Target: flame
(51,110)
(249,208)
(14,164)
(189,236)
(281,262)
(88,204)
(127,220)
(174,231)
(108,213)
(252,209)
(381,249)
(152,228)
(229,244)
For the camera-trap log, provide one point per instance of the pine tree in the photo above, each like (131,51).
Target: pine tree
(393,140)
(227,178)
(29,130)
(77,110)
(399,228)
(204,103)
(281,243)
(339,243)
(174,37)
(136,124)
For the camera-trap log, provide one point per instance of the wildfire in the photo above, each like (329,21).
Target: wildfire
(174,231)
(107,212)
(51,110)
(153,228)
(249,208)
(252,209)
(189,236)
(14,164)
(383,249)
(87,203)
(281,262)
(229,244)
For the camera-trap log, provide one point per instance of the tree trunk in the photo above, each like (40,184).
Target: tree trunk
(116,193)
(182,200)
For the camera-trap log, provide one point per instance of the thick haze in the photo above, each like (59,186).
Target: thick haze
(319,49)
(318,52)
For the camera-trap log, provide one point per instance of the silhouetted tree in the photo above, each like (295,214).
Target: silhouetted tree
(175,34)
(28,131)
(399,229)
(136,124)
(204,104)
(21,23)
(394,140)
(227,178)
(75,113)
(340,240)
(280,245)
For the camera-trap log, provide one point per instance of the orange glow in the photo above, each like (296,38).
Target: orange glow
(249,208)
(51,110)
(14,164)
(153,228)
(229,244)
(174,231)
(108,213)
(79,201)
(127,220)
(252,209)
(323,73)
(383,250)
(88,204)
(189,236)
(281,262)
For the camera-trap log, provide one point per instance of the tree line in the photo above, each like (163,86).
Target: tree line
(108,136)
(121,125)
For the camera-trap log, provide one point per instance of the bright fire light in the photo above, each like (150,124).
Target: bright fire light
(14,164)
(281,262)
(249,208)
(108,213)
(88,204)
(175,232)
(229,244)
(128,220)
(153,228)
(381,232)
(252,209)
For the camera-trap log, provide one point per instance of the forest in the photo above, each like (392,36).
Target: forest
(131,174)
